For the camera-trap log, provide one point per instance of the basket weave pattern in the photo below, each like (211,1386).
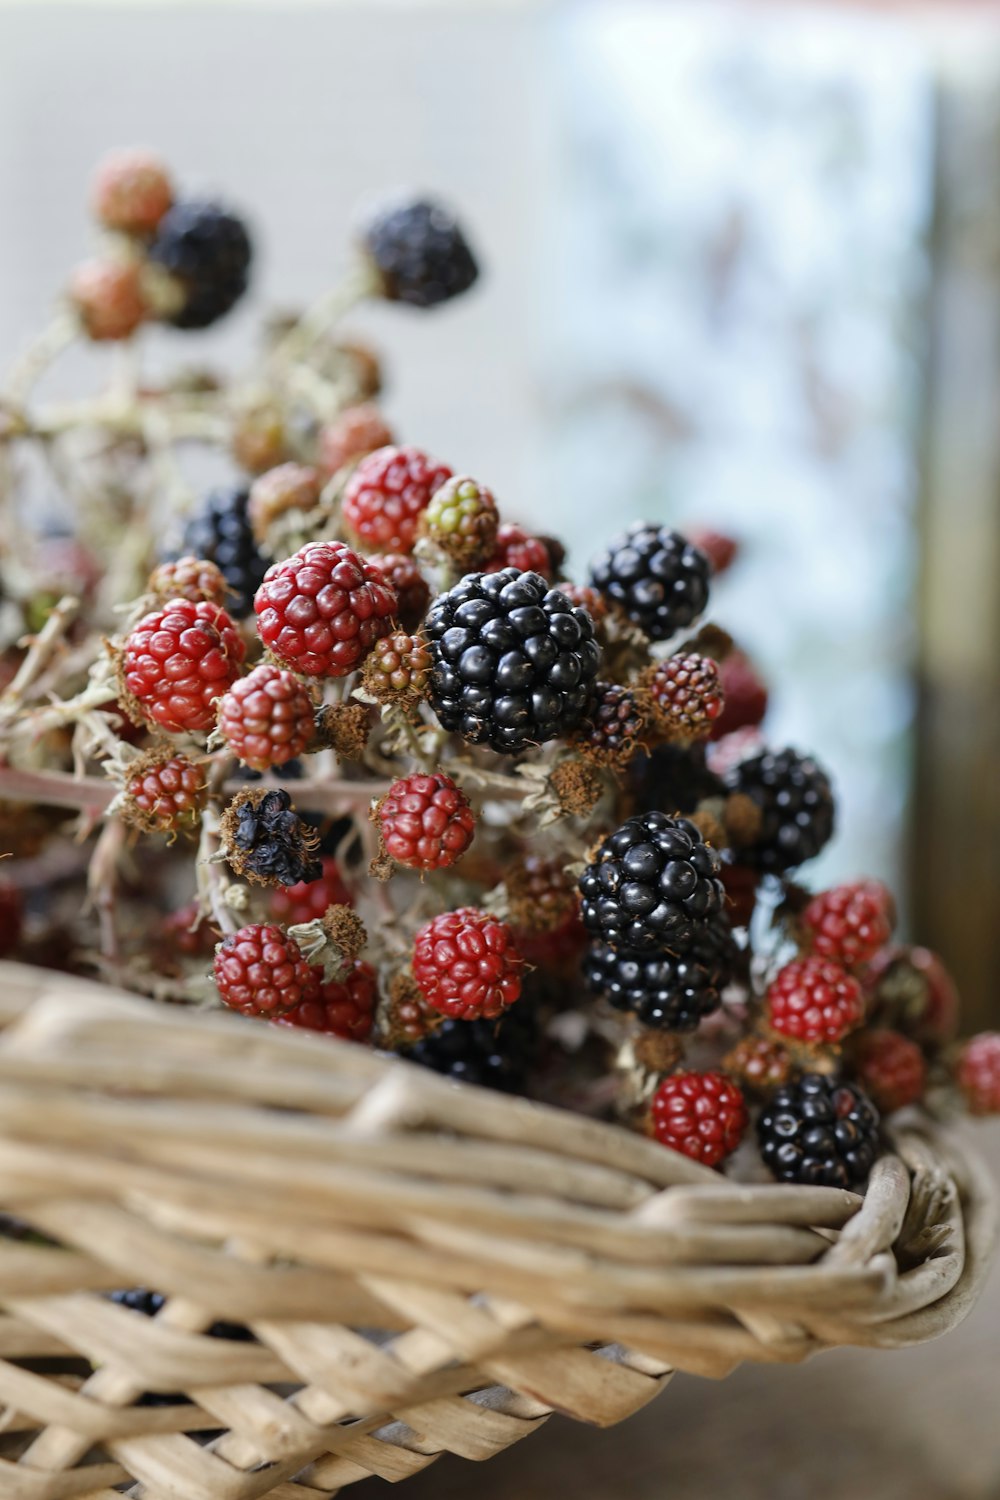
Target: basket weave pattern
(425,1268)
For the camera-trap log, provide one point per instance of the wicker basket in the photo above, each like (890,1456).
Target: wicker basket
(426,1267)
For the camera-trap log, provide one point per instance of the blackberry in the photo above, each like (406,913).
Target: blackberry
(420,253)
(266,841)
(513,660)
(220,532)
(207,251)
(656,576)
(614,722)
(674,776)
(819,1130)
(651,885)
(493,1054)
(672,992)
(797,810)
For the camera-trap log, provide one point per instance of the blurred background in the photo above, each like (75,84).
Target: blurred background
(742,269)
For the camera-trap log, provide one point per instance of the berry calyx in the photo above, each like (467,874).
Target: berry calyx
(687,696)
(164,792)
(849,923)
(977,1073)
(814,1000)
(426,821)
(288,487)
(266,842)
(421,255)
(107,296)
(890,1068)
(517,548)
(398,669)
(188,578)
(322,610)
(655,576)
(650,884)
(467,965)
(177,661)
(132,191)
(260,971)
(819,1130)
(267,717)
(412,589)
(356,431)
(308,900)
(343,1008)
(701,1115)
(387,493)
(461,519)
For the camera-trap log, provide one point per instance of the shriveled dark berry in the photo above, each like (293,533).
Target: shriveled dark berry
(266,840)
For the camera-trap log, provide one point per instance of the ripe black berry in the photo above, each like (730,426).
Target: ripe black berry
(492,1054)
(655,576)
(207,251)
(819,1130)
(513,660)
(652,884)
(670,991)
(797,809)
(220,532)
(420,252)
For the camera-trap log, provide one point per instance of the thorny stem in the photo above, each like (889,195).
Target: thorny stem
(40,353)
(300,340)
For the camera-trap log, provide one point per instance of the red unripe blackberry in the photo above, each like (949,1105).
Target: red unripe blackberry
(178,660)
(912,990)
(890,1068)
(849,923)
(259,440)
(188,578)
(287,487)
(744,693)
(412,589)
(517,548)
(132,191)
(309,899)
(814,1000)
(615,721)
(343,1008)
(398,668)
(260,971)
(356,431)
(387,492)
(687,695)
(758,1063)
(321,611)
(186,931)
(426,821)
(721,550)
(267,717)
(582,595)
(977,1073)
(163,792)
(701,1115)
(467,965)
(11,917)
(107,295)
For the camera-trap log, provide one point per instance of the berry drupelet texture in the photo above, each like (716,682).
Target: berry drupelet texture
(759,1064)
(701,1115)
(413,593)
(687,696)
(516,548)
(814,1000)
(189,578)
(652,883)
(426,822)
(421,255)
(820,1131)
(977,1073)
(613,726)
(911,989)
(890,1068)
(206,250)
(398,669)
(796,805)
(387,494)
(671,992)
(308,899)
(260,971)
(491,1054)
(466,964)
(322,610)
(461,519)
(107,297)
(220,532)
(178,660)
(356,431)
(344,1008)
(289,486)
(266,840)
(132,191)
(849,923)
(164,792)
(267,718)
(656,577)
(513,660)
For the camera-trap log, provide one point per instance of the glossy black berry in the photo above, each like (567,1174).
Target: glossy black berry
(420,252)
(267,838)
(653,882)
(493,1054)
(513,660)
(821,1131)
(797,809)
(656,576)
(672,992)
(220,532)
(207,250)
